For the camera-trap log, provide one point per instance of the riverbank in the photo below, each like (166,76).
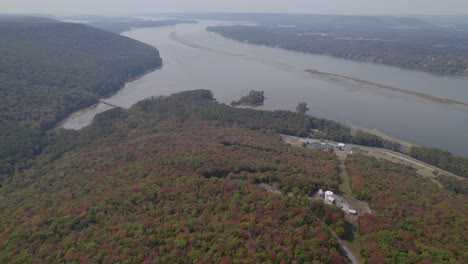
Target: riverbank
(197,59)
(393,49)
(379,133)
(343,78)
(83,117)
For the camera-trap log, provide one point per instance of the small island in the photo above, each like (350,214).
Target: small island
(254,99)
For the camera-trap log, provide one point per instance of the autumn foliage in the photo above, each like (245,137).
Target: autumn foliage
(413,220)
(169,191)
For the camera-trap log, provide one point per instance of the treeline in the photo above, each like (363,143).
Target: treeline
(254,98)
(192,106)
(436,157)
(50,69)
(367,139)
(423,49)
(441,159)
(458,186)
(201,104)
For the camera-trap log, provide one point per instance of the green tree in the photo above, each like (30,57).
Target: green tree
(302,108)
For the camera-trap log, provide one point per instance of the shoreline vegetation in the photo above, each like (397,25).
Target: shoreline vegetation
(374,138)
(88,108)
(425,50)
(380,134)
(344,78)
(295,124)
(253,99)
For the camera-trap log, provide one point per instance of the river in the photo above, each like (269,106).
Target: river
(197,59)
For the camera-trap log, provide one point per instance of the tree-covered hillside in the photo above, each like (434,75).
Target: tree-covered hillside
(48,70)
(414,220)
(184,178)
(165,182)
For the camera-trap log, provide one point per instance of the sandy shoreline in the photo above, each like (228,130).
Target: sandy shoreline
(94,106)
(386,87)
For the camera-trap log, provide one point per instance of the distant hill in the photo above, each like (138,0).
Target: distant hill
(118,25)
(315,20)
(121,26)
(374,22)
(9,19)
(48,69)
(371,39)
(455,21)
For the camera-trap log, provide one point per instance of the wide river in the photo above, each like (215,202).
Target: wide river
(197,59)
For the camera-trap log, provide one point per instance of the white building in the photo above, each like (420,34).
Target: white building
(329,197)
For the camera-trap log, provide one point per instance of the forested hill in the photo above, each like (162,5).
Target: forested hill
(181,179)
(173,180)
(55,68)
(49,69)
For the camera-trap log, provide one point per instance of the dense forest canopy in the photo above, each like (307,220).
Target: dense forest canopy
(413,219)
(196,166)
(184,178)
(55,68)
(50,69)
(172,179)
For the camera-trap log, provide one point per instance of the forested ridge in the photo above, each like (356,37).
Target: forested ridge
(50,69)
(171,180)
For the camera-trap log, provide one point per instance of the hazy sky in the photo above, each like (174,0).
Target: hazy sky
(276,6)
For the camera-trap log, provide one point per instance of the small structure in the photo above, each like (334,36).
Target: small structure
(320,193)
(329,197)
(352,211)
